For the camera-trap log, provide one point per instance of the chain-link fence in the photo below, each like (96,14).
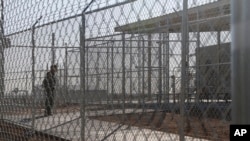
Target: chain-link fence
(126,70)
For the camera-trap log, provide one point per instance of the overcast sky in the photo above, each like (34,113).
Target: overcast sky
(21,14)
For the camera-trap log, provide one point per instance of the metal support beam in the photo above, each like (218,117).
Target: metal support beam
(112,74)
(143,72)
(130,68)
(240,61)
(139,52)
(160,70)
(108,70)
(53,49)
(97,69)
(123,77)
(218,54)
(65,82)
(149,66)
(198,86)
(166,50)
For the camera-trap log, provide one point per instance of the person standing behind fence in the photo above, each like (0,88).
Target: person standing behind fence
(49,83)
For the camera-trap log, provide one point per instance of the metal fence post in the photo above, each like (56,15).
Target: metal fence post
(82,71)
(53,49)
(2,87)
(112,74)
(1,77)
(65,81)
(184,33)
(123,76)
(82,77)
(33,71)
(240,61)
(160,69)
(166,66)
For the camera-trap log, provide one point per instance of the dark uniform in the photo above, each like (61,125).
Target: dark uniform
(49,84)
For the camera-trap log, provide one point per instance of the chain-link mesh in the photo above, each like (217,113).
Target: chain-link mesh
(126,70)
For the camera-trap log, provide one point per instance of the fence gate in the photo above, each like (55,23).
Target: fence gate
(150,70)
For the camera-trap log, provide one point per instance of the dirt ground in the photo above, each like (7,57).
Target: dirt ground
(211,129)
(9,131)
(203,128)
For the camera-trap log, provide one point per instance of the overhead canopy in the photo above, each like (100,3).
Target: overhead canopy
(205,18)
